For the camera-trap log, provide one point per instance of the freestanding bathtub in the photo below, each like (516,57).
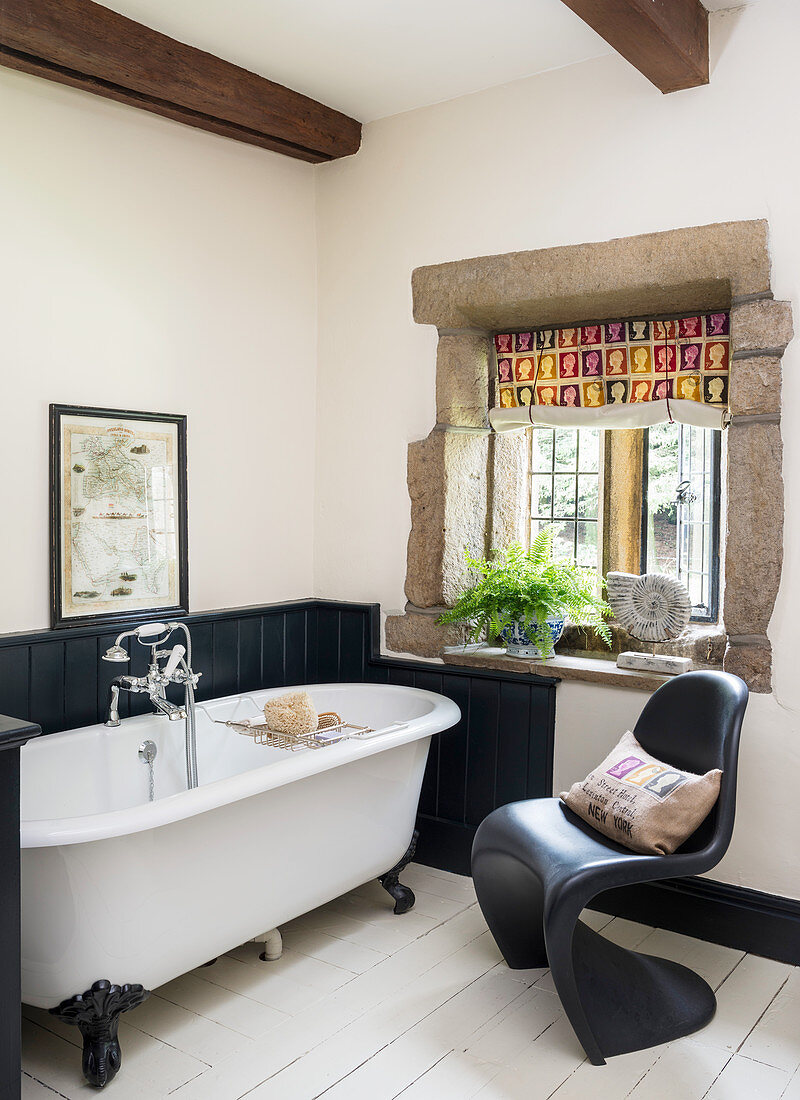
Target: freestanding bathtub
(118,889)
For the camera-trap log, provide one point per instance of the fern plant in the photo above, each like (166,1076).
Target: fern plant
(528,586)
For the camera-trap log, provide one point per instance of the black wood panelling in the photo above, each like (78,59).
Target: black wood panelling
(328,645)
(14,679)
(273,644)
(13,734)
(225,661)
(482,749)
(500,751)
(250,653)
(295,648)
(58,680)
(453,758)
(80,682)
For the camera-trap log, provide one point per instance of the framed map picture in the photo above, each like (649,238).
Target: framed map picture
(117,515)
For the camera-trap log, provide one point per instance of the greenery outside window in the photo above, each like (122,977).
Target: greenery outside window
(638,500)
(566,490)
(680,512)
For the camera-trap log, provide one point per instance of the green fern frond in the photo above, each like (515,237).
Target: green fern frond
(528,585)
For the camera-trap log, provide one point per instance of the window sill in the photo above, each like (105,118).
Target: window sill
(594,670)
(703,642)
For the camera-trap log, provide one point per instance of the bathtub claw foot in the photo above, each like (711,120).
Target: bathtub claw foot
(96,1013)
(403,895)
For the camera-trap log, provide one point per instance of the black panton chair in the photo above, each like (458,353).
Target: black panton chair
(536,865)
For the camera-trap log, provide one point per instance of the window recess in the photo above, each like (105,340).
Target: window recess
(637,500)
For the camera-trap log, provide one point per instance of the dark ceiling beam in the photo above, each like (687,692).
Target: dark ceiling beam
(88,46)
(666,40)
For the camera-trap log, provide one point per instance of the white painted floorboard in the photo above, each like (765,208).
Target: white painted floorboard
(364,1005)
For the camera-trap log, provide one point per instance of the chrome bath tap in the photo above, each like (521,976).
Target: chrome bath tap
(176,670)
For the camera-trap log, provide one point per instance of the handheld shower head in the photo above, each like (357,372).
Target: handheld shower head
(116,653)
(152,630)
(152,634)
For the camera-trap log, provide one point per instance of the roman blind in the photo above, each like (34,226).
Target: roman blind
(615,374)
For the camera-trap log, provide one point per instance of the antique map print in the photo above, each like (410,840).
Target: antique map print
(119,532)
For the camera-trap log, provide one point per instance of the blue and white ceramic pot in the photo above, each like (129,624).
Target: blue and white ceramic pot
(520,638)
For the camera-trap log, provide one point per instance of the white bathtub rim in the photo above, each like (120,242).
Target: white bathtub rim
(43,832)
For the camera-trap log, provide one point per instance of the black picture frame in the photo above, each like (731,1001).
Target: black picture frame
(58,619)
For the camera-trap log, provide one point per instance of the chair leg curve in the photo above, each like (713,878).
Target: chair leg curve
(618,1000)
(561,931)
(511,898)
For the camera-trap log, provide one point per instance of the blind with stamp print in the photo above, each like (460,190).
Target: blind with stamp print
(615,374)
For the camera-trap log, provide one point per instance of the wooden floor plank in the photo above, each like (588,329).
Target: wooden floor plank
(540,1069)
(334,1059)
(774,1039)
(365,1005)
(255,1064)
(267,983)
(344,953)
(711,961)
(457,1075)
(433,1037)
(614,1080)
(505,1038)
(35,1090)
(741,1000)
(684,1069)
(222,1006)
(744,1079)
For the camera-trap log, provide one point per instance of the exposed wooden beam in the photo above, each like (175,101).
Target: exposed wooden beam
(85,45)
(666,40)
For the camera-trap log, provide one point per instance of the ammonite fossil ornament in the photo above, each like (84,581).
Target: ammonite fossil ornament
(653,607)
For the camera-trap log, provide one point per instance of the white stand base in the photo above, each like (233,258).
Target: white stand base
(273,945)
(648,662)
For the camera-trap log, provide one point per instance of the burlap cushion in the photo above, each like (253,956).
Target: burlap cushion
(642,802)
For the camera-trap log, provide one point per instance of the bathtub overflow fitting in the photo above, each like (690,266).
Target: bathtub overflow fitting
(148,751)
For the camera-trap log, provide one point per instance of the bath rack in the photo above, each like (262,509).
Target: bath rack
(330,731)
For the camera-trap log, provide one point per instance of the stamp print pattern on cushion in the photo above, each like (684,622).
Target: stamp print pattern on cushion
(642,803)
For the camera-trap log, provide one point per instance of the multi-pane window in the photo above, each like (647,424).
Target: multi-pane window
(680,533)
(576,478)
(565,490)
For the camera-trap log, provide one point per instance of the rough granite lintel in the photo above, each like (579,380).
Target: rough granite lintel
(702,267)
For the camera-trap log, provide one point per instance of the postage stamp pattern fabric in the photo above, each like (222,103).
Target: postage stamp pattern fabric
(617,362)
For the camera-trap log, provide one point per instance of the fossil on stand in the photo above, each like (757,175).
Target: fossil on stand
(654,608)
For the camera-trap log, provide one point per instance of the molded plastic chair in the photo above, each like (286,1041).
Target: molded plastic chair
(536,865)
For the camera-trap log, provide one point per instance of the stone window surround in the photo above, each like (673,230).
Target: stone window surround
(465,482)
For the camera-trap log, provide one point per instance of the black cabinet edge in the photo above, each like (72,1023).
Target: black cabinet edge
(16,731)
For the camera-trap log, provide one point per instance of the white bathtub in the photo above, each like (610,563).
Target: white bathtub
(117,887)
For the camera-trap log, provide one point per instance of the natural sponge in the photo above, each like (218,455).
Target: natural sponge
(292,713)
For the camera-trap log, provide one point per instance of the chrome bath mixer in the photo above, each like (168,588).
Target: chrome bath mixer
(176,670)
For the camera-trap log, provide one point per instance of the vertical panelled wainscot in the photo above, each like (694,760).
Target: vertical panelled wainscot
(14,733)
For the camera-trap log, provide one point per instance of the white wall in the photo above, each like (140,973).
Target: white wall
(146,265)
(584,153)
